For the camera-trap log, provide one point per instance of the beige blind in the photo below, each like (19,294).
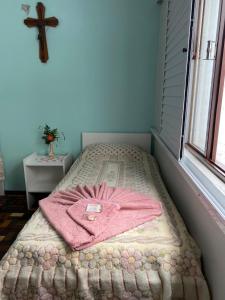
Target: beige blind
(176,35)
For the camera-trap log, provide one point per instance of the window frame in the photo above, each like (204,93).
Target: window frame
(208,158)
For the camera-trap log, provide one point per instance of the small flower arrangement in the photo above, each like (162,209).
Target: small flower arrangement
(50,135)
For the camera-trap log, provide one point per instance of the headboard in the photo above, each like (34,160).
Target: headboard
(140,139)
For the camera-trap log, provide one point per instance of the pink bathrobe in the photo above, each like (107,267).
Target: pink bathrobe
(84,216)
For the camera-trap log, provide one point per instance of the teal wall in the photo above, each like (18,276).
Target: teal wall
(100,75)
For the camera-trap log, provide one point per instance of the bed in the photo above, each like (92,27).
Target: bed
(157,260)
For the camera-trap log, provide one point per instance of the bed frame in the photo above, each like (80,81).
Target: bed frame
(142,140)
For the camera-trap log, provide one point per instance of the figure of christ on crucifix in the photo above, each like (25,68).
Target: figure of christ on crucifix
(41,23)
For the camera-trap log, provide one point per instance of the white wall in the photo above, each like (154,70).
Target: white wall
(202,227)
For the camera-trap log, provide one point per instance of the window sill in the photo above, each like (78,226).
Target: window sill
(208,183)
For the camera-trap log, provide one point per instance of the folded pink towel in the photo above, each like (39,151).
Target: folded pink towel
(78,212)
(84,216)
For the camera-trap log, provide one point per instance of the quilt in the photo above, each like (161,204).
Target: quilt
(157,260)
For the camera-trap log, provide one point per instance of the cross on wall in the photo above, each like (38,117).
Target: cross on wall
(41,24)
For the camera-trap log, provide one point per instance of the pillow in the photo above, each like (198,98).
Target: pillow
(115,150)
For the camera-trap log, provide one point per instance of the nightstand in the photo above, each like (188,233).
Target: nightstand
(42,174)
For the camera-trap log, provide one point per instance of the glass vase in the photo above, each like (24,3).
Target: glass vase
(51,153)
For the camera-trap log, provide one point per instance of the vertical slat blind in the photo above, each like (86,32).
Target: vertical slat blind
(174,72)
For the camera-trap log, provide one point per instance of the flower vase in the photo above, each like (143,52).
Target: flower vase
(51,153)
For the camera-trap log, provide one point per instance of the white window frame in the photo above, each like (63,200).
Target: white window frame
(206,158)
(209,179)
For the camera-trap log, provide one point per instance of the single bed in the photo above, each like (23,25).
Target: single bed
(157,260)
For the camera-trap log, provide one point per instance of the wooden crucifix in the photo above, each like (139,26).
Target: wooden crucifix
(41,23)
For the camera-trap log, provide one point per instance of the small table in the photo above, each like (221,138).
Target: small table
(42,174)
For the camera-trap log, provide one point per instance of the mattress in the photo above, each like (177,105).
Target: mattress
(157,260)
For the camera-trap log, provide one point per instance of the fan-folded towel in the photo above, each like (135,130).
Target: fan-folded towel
(84,216)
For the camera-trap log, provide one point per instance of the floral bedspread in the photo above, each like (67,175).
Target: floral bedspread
(157,260)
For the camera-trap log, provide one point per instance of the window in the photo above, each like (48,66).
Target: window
(206,132)
(218,151)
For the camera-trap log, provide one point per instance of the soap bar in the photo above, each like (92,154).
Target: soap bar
(94,208)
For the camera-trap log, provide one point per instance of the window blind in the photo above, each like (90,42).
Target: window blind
(174,72)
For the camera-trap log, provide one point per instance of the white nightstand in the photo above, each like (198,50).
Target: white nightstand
(42,174)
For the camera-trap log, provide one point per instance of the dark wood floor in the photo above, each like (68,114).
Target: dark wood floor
(13,216)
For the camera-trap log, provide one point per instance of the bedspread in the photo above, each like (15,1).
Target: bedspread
(156,260)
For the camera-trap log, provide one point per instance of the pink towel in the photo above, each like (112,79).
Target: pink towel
(79,214)
(84,216)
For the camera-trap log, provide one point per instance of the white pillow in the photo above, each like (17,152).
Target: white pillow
(119,150)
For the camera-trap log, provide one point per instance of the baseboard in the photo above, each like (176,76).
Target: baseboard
(9,192)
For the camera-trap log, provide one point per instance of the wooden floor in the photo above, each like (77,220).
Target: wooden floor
(13,216)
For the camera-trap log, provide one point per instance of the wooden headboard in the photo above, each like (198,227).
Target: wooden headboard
(140,139)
